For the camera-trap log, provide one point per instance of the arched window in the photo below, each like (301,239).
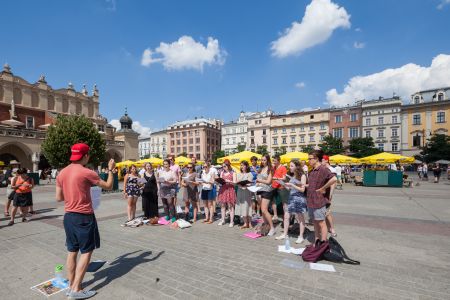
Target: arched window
(17,96)
(65,105)
(51,103)
(440,96)
(34,99)
(78,107)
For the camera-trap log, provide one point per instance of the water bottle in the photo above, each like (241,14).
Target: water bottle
(59,281)
(287,244)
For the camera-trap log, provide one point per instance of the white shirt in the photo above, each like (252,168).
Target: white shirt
(207,177)
(338,170)
(333,170)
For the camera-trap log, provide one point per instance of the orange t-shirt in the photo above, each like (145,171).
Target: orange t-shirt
(75,182)
(280,172)
(23,189)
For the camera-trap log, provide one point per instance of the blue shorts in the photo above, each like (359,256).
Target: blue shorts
(81,232)
(207,195)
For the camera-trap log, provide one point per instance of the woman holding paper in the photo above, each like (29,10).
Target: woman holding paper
(131,191)
(227,195)
(264,182)
(168,183)
(150,192)
(207,178)
(297,200)
(190,193)
(244,196)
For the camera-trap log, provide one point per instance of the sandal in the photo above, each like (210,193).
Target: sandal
(6,214)
(11,223)
(24,220)
(244,227)
(209,222)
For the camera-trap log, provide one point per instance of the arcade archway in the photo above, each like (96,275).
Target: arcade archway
(16,151)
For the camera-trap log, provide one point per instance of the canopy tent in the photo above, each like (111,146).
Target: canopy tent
(443,162)
(125,163)
(386,158)
(237,158)
(154,161)
(343,159)
(182,160)
(286,158)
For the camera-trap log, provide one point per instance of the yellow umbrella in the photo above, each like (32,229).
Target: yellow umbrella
(286,158)
(385,158)
(182,160)
(1,163)
(125,163)
(343,159)
(237,158)
(154,161)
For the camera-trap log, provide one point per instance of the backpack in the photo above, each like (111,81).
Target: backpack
(315,252)
(337,254)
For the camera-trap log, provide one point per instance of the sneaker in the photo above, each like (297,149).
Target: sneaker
(221,223)
(271,232)
(231,225)
(299,240)
(81,294)
(68,292)
(281,237)
(173,220)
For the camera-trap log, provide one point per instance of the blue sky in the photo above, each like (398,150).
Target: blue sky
(219,57)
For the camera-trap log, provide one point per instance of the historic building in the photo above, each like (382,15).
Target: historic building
(294,131)
(234,134)
(258,130)
(345,122)
(425,115)
(154,146)
(381,120)
(27,109)
(199,137)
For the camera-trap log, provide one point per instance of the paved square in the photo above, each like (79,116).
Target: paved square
(401,237)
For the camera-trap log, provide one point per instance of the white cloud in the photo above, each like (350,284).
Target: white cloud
(443,3)
(185,53)
(137,126)
(358,29)
(404,81)
(300,85)
(321,18)
(359,45)
(112,5)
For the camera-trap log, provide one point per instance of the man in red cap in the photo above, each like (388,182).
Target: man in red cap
(73,186)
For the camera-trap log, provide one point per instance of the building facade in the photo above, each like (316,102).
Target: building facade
(295,131)
(381,120)
(234,134)
(258,130)
(199,137)
(425,115)
(27,109)
(154,146)
(345,122)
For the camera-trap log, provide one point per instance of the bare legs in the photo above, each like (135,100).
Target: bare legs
(223,210)
(320,230)
(265,212)
(169,207)
(23,210)
(131,208)
(76,270)
(209,212)
(7,207)
(329,222)
(274,208)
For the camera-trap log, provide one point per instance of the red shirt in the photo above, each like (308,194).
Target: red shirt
(317,178)
(280,172)
(75,182)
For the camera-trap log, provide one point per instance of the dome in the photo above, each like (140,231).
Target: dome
(125,121)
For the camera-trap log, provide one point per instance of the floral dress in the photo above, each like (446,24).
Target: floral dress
(227,195)
(132,188)
(297,199)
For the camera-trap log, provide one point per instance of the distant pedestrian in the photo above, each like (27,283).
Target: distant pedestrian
(131,191)
(338,169)
(23,197)
(264,182)
(10,178)
(425,172)
(227,195)
(420,171)
(73,186)
(320,180)
(150,193)
(437,173)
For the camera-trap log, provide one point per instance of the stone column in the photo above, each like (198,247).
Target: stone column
(35,157)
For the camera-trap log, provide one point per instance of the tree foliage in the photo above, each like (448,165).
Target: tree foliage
(156,155)
(67,131)
(362,147)
(280,151)
(262,150)
(240,148)
(307,148)
(438,147)
(332,145)
(216,155)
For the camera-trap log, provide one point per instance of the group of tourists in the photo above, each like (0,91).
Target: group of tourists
(422,172)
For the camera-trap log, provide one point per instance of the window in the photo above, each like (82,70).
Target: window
(184,141)
(311,128)
(234,140)
(394,147)
(311,117)
(177,134)
(394,119)
(292,139)
(380,133)
(283,141)
(381,147)
(275,141)
(353,117)
(242,139)
(178,142)
(264,132)
(275,131)
(30,122)
(184,149)
(191,148)
(368,134)
(264,140)
(394,132)
(380,120)
(197,155)
(338,119)
(292,129)
(322,126)
(440,117)
(353,132)
(322,136)
(337,132)
(227,141)
(302,128)
(311,137)
(197,133)
(302,139)
(416,140)
(283,130)
(252,141)
(440,96)
(367,122)
(416,100)
(284,120)
(252,133)
(172,143)
(191,141)
(100,128)
(178,149)
(416,119)
(172,150)
(197,140)
(197,148)
(184,133)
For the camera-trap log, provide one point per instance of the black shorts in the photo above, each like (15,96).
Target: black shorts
(23,199)
(81,232)
(265,195)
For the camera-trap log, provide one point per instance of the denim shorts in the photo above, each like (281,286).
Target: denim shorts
(81,232)
(317,214)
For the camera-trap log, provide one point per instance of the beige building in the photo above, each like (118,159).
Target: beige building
(258,130)
(154,146)
(297,130)
(27,109)
(199,137)
(234,134)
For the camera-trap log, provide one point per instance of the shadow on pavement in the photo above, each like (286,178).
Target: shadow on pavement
(120,267)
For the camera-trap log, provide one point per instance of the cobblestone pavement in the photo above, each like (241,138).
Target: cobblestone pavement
(400,235)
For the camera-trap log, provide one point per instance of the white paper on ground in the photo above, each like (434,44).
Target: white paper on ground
(254,189)
(293,264)
(322,267)
(297,251)
(96,193)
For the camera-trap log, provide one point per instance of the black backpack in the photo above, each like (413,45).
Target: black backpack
(336,253)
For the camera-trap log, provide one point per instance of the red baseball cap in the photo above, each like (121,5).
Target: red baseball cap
(78,151)
(325,157)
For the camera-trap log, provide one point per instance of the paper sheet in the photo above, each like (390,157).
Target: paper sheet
(294,264)
(96,193)
(252,235)
(47,288)
(142,181)
(254,189)
(296,251)
(322,267)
